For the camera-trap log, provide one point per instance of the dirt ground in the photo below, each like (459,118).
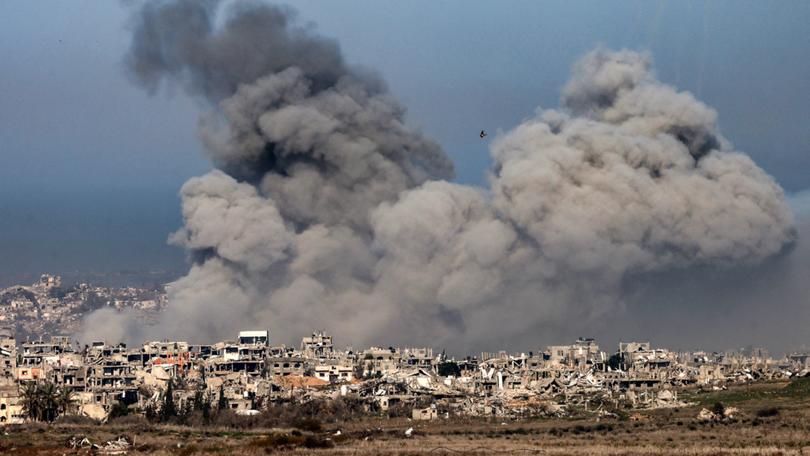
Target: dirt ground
(774,418)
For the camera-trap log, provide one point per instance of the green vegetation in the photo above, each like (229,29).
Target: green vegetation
(765,391)
(798,388)
(290,441)
(767,412)
(222,403)
(118,410)
(43,401)
(168,411)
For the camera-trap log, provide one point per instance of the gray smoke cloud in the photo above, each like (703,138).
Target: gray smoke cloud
(766,304)
(327,211)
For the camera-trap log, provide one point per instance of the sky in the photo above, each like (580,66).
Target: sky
(91,166)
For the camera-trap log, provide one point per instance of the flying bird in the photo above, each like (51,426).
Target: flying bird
(482,134)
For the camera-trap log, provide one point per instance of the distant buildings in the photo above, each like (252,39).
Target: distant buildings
(250,372)
(46,308)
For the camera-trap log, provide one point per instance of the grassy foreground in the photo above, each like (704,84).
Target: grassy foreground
(773,418)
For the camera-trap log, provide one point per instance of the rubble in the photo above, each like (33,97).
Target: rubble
(119,446)
(706,415)
(112,447)
(720,413)
(249,374)
(730,412)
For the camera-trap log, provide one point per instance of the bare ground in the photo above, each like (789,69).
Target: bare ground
(773,420)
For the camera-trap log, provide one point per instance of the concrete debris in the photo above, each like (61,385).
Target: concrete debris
(730,412)
(727,413)
(79,442)
(706,415)
(119,446)
(112,447)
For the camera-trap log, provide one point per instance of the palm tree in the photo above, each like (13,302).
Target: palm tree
(40,401)
(31,401)
(49,396)
(64,400)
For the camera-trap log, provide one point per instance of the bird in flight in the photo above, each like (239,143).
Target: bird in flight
(482,134)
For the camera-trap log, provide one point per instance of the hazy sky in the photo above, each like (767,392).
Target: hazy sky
(91,166)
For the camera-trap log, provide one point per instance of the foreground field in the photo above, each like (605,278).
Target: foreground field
(773,418)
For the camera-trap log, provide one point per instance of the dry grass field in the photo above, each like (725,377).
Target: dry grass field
(774,419)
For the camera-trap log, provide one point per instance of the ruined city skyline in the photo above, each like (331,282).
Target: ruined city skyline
(624,205)
(250,374)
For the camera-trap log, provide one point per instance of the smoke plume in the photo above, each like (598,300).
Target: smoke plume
(327,211)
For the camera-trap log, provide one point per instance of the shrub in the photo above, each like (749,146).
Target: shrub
(312,441)
(188,450)
(400,410)
(229,418)
(798,387)
(291,441)
(136,422)
(767,412)
(308,424)
(119,409)
(78,420)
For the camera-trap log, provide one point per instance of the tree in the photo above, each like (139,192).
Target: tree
(359,370)
(64,400)
(150,413)
(185,412)
(50,399)
(168,410)
(206,409)
(197,402)
(30,401)
(40,401)
(222,404)
(118,409)
(719,409)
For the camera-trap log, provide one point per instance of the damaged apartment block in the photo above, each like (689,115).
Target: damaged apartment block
(250,372)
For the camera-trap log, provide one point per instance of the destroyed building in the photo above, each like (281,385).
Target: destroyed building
(250,372)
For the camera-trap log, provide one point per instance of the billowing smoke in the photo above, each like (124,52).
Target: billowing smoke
(327,211)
